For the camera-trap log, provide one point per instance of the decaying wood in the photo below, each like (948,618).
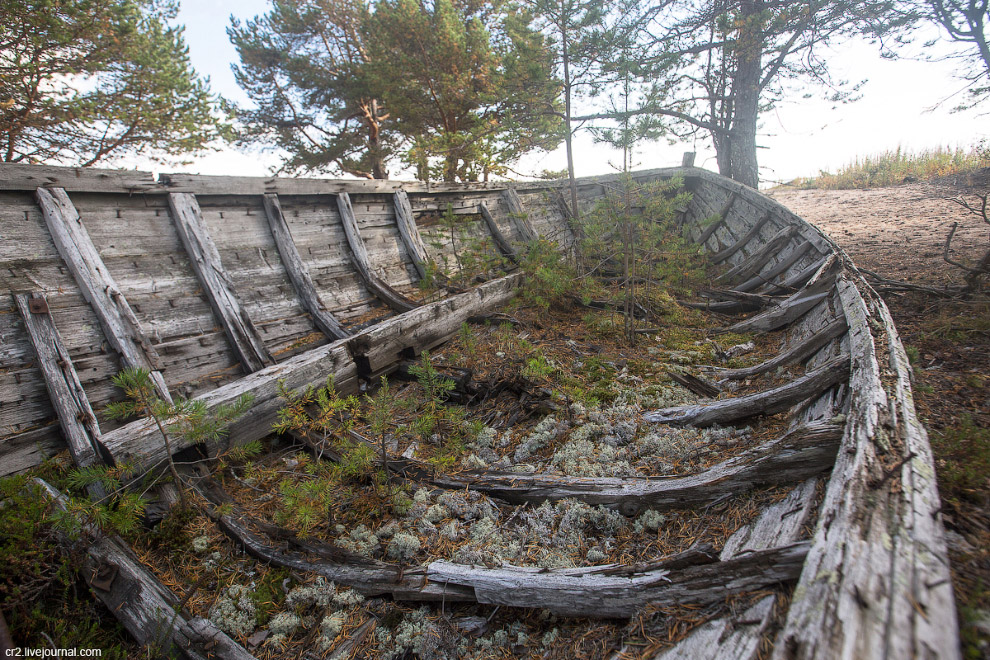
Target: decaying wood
(620,591)
(798,279)
(781,267)
(16,176)
(75,415)
(694,384)
(753,232)
(205,260)
(779,524)
(120,326)
(142,604)
(500,240)
(723,214)
(768,402)
(409,232)
(298,272)
(512,202)
(731,302)
(738,637)
(801,453)
(370,352)
(752,264)
(799,351)
(362,263)
(876,583)
(787,312)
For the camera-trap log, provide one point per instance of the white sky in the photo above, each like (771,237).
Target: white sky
(800,137)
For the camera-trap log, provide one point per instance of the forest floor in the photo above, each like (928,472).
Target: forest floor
(899,233)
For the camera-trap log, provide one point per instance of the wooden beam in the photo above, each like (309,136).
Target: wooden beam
(500,240)
(205,258)
(512,201)
(723,214)
(756,261)
(257,185)
(15,176)
(120,325)
(298,272)
(359,257)
(788,311)
(409,232)
(75,414)
(799,351)
(754,231)
(780,267)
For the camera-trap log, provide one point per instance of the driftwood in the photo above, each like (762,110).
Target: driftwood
(76,416)
(370,352)
(143,605)
(362,262)
(801,453)
(409,232)
(799,351)
(205,259)
(753,232)
(120,326)
(769,402)
(298,272)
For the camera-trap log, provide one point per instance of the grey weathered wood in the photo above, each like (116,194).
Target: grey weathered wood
(144,606)
(799,351)
(737,637)
(409,232)
(797,280)
(731,301)
(75,415)
(298,272)
(14,176)
(779,268)
(876,583)
(801,453)
(752,233)
(369,352)
(786,312)
(752,264)
(768,402)
(500,240)
(512,202)
(779,524)
(723,214)
(256,185)
(120,325)
(205,259)
(362,263)
(618,591)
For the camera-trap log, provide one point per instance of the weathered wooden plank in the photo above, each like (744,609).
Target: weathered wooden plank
(410,232)
(769,402)
(298,272)
(366,353)
(75,415)
(787,311)
(799,351)
(516,211)
(723,214)
(737,637)
(147,609)
(779,524)
(752,264)
(120,325)
(876,583)
(359,255)
(500,240)
(205,260)
(249,185)
(753,231)
(14,176)
(779,268)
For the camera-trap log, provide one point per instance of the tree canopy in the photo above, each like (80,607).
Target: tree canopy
(82,81)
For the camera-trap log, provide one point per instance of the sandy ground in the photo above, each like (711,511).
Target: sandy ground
(897,232)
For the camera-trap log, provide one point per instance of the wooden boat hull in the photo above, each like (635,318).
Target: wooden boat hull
(223,285)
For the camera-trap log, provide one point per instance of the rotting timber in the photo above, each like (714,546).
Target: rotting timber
(222,285)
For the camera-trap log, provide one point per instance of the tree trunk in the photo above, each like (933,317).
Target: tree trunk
(568,135)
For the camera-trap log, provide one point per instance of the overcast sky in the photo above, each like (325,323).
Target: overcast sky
(800,137)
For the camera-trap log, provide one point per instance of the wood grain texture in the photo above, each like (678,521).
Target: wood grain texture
(411,237)
(503,244)
(205,260)
(512,202)
(119,323)
(298,272)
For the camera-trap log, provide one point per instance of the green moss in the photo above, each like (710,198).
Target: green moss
(963,453)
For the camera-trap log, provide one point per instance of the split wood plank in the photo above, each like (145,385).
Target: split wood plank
(751,265)
(723,214)
(516,211)
(779,268)
(797,280)
(779,524)
(500,240)
(298,272)
(876,583)
(120,325)
(371,351)
(205,258)
(799,351)
(754,231)
(409,232)
(75,414)
(361,261)
(787,312)
(768,402)
(146,608)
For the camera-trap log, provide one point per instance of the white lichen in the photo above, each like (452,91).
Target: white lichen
(403,546)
